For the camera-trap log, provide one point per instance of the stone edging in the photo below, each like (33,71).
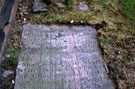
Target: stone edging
(8,25)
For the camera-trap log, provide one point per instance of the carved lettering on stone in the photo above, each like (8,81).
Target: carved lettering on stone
(61,57)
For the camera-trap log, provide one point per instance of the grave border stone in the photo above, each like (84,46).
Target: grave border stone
(6,24)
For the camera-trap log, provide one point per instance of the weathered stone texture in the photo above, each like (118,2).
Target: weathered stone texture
(1,4)
(60,57)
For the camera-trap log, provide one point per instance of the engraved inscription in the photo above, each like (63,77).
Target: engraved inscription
(61,57)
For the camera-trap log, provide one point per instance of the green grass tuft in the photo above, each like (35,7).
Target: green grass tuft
(12,55)
(128,8)
(69,4)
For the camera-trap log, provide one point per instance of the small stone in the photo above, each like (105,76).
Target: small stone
(20,5)
(8,55)
(81,21)
(60,5)
(13,81)
(24,20)
(72,21)
(25,13)
(21,13)
(83,7)
(39,6)
(6,73)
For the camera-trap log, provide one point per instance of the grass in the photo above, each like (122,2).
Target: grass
(66,17)
(12,54)
(69,4)
(128,8)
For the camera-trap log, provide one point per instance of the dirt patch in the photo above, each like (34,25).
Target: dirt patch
(118,50)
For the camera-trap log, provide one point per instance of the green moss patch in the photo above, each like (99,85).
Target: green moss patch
(12,54)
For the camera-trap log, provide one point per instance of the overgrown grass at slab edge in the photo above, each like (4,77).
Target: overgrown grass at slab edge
(66,17)
(12,54)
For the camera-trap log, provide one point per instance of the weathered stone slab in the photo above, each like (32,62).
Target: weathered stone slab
(5,12)
(1,4)
(60,57)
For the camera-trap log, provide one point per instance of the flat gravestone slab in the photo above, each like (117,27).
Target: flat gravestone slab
(60,57)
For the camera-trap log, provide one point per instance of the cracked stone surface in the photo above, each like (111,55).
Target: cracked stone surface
(61,57)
